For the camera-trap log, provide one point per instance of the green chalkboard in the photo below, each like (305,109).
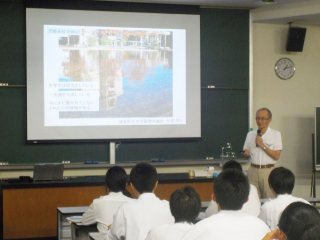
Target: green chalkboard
(224,63)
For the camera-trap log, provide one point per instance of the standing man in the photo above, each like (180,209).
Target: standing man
(263,147)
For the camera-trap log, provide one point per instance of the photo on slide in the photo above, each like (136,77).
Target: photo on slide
(101,72)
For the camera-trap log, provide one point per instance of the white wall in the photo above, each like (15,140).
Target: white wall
(291,101)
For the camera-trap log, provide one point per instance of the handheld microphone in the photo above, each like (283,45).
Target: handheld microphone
(259,134)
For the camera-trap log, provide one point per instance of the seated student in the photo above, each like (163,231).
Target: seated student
(311,232)
(252,206)
(136,218)
(231,190)
(298,221)
(185,206)
(281,181)
(102,209)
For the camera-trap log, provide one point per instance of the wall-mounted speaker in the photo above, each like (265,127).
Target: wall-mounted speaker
(295,40)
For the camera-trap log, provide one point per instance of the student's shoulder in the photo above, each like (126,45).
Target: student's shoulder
(253,188)
(257,223)
(159,202)
(131,203)
(159,232)
(126,198)
(299,199)
(100,199)
(203,227)
(162,228)
(165,202)
(270,203)
(254,221)
(208,221)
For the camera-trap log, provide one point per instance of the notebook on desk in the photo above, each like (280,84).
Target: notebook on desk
(48,172)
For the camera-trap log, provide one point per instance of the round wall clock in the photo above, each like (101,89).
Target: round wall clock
(284,68)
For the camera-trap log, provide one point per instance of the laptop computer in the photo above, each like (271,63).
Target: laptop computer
(48,172)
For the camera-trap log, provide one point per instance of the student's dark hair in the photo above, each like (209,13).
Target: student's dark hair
(185,204)
(296,217)
(281,180)
(144,177)
(232,164)
(231,189)
(116,179)
(311,232)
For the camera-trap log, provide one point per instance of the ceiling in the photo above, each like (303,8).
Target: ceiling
(218,3)
(246,4)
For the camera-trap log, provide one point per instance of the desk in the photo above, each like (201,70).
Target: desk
(64,225)
(81,232)
(29,210)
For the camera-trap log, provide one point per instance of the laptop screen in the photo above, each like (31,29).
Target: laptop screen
(48,172)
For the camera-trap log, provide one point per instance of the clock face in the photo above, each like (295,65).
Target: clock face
(284,68)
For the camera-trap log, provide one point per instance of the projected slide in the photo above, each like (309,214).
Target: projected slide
(113,76)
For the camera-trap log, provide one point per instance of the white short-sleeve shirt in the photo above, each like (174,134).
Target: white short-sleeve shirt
(271,138)
(226,225)
(136,218)
(271,211)
(102,209)
(169,231)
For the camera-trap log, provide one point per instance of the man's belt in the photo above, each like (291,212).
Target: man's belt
(262,166)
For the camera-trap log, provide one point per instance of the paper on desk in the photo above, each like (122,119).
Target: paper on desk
(203,173)
(74,219)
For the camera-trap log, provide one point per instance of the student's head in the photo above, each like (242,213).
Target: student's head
(295,219)
(281,180)
(232,164)
(231,189)
(185,204)
(311,232)
(116,179)
(143,177)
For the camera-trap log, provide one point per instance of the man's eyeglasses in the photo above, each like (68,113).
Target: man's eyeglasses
(262,118)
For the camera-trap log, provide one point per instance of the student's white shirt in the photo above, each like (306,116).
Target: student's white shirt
(102,209)
(169,231)
(136,218)
(251,207)
(228,225)
(271,211)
